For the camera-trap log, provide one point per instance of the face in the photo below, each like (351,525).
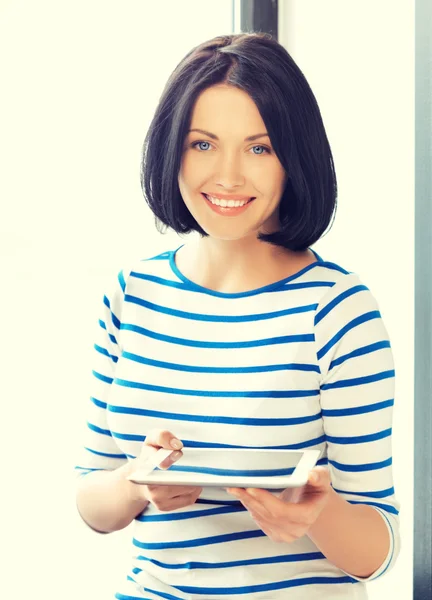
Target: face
(230,178)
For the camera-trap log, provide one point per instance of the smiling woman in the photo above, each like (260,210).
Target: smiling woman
(243,338)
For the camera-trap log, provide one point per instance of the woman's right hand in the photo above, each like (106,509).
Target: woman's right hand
(164,497)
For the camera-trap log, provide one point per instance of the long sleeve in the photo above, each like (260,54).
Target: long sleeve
(357,397)
(100,450)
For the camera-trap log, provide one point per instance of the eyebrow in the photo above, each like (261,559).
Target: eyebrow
(251,138)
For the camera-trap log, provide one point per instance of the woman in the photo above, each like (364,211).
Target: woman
(243,337)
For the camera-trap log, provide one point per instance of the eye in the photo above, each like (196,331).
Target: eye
(199,145)
(264,150)
(203,146)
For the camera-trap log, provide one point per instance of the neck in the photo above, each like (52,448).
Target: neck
(236,256)
(237,265)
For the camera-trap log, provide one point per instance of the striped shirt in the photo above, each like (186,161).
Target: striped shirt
(303,363)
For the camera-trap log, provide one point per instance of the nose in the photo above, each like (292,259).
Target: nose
(230,172)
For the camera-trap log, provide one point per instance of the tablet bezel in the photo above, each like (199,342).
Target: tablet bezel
(146,474)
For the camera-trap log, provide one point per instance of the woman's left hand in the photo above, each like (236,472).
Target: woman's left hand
(290,515)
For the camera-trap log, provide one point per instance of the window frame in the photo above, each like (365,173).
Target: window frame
(259,16)
(423,304)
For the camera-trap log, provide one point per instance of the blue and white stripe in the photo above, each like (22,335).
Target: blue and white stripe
(303,363)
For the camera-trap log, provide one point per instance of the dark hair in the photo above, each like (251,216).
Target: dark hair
(260,66)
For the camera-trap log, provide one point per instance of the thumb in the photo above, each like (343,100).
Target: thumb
(319,477)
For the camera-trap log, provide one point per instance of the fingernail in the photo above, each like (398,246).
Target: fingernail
(176,444)
(175,455)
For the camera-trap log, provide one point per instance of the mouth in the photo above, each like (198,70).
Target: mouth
(227,203)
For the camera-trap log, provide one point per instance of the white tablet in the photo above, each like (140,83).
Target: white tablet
(222,467)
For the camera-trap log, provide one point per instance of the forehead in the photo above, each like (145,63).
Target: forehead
(226,108)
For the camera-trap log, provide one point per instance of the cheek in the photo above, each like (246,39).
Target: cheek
(191,177)
(269,179)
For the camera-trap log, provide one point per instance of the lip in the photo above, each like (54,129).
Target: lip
(229,196)
(228,211)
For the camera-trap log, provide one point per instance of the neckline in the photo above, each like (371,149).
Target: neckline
(260,290)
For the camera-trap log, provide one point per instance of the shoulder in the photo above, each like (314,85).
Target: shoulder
(120,279)
(348,309)
(335,279)
(344,294)
(151,267)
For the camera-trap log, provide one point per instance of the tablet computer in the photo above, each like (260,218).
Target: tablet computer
(226,467)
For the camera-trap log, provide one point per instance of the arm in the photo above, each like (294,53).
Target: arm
(358,529)
(354,538)
(105,499)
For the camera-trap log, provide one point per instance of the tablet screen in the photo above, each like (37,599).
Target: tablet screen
(236,462)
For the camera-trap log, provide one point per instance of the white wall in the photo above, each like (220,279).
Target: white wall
(80,80)
(358,57)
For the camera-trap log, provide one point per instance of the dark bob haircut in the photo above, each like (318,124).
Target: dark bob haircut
(260,66)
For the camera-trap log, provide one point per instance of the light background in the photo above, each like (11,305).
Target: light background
(79,83)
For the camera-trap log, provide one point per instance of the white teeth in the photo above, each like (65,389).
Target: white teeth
(226,203)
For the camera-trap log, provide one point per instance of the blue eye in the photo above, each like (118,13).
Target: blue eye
(195,144)
(204,146)
(263,148)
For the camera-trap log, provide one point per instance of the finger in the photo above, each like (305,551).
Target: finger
(292,495)
(188,498)
(254,503)
(234,491)
(170,460)
(319,477)
(172,491)
(273,505)
(181,501)
(162,438)
(150,454)
(188,491)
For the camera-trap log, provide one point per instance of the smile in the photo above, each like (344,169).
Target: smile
(227,203)
(228,207)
